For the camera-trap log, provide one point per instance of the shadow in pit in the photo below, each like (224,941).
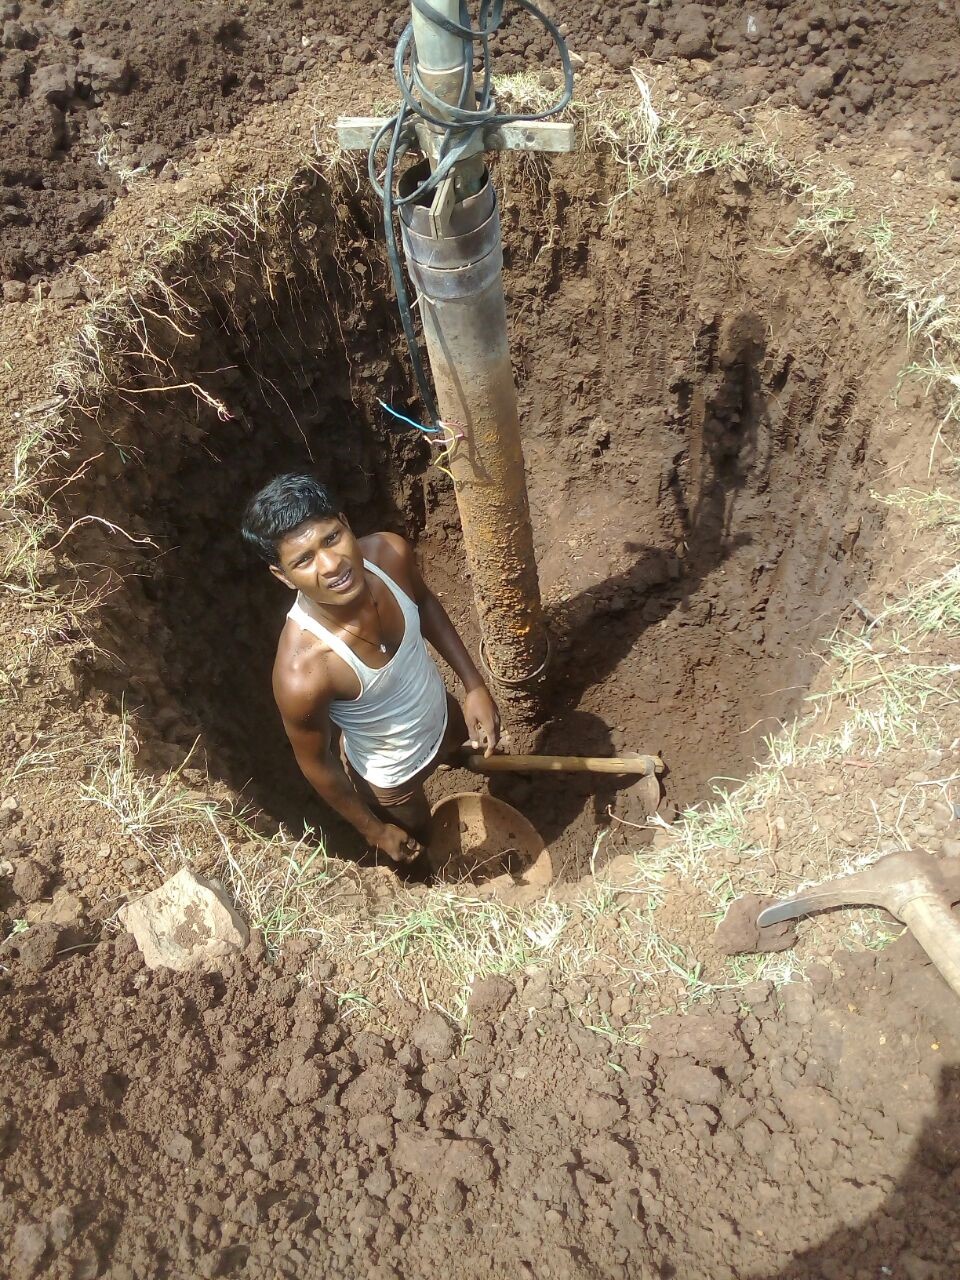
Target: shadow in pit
(916,1232)
(278,341)
(727,448)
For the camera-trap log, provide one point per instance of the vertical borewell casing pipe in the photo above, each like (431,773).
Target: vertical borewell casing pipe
(459,281)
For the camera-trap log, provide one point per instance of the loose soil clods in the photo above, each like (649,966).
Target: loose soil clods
(735,340)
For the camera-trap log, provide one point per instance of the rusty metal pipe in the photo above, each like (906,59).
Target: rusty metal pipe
(459,280)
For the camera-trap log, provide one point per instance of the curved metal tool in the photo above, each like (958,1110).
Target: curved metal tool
(910,886)
(478,838)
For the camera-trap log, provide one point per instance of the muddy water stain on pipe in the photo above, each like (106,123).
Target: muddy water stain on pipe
(460,282)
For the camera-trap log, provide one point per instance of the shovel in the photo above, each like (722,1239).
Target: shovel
(910,886)
(642,766)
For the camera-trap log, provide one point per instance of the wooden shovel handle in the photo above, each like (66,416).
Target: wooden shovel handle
(643,766)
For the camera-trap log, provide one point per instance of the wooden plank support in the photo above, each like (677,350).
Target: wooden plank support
(355,133)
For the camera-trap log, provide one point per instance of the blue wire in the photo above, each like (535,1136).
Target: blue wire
(403,418)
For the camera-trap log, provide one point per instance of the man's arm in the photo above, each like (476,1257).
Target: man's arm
(479,709)
(304,704)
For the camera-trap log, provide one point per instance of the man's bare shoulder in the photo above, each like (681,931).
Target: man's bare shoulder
(386,546)
(393,554)
(303,677)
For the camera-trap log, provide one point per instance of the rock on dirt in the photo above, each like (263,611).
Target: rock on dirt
(31,880)
(489,997)
(807,1107)
(62,1225)
(55,83)
(106,75)
(738,932)
(690,1083)
(305,1082)
(920,69)
(187,923)
(436,1161)
(29,1246)
(619,57)
(599,1111)
(35,949)
(692,32)
(65,909)
(179,1147)
(709,1040)
(815,83)
(435,1038)
(374,1090)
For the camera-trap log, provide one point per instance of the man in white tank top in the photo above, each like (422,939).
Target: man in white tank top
(352,654)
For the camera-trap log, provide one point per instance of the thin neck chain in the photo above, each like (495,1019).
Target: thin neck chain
(374,644)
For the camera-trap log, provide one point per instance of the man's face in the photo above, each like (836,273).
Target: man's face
(322,559)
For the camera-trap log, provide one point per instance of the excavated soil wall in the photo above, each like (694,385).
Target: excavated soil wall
(706,406)
(703,407)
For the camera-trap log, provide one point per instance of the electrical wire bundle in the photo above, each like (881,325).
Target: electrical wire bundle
(449,438)
(475,110)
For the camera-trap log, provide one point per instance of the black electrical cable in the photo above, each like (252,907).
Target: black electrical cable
(459,124)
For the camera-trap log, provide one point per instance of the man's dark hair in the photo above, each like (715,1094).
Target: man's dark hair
(282,506)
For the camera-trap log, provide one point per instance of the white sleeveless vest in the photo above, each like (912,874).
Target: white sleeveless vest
(395,727)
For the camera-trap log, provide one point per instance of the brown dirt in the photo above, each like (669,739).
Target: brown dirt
(704,424)
(148,87)
(234,1125)
(84,73)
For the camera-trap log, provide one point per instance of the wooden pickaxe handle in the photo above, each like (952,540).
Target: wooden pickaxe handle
(642,766)
(912,886)
(935,927)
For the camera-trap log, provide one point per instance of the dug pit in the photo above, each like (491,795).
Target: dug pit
(704,407)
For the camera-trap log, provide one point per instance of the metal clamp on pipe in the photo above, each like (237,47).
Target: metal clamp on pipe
(518,682)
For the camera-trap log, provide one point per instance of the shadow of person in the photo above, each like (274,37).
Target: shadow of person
(597,631)
(724,447)
(916,1231)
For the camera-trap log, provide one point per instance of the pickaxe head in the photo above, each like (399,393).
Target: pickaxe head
(891,883)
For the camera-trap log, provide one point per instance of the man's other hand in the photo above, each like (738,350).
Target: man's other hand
(397,844)
(483,720)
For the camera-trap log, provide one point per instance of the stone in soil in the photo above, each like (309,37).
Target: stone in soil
(739,934)
(31,880)
(185,924)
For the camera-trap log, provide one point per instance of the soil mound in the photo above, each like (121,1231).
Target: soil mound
(98,97)
(234,1124)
